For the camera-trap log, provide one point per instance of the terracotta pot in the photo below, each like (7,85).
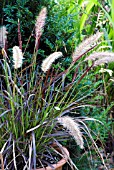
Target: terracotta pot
(59,164)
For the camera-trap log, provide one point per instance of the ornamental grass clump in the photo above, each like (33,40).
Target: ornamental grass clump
(35,102)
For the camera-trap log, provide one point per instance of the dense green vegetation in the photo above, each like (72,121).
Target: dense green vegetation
(31,98)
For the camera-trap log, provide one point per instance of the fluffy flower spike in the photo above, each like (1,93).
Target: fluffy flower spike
(3,36)
(73,129)
(86,45)
(17,57)
(40,22)
(49,60)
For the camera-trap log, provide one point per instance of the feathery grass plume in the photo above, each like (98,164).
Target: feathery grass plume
(40,22)
(3,36)
(99,55)
(101,58)
(86,45)
(73,129)
(103,61)
(49,60)
(17,57)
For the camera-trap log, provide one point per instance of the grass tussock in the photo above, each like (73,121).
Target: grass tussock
(34,104)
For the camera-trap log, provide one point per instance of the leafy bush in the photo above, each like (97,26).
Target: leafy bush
(64,16)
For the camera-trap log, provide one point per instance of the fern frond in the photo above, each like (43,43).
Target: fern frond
(100,19)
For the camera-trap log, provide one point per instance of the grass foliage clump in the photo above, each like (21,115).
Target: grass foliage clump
(36,102)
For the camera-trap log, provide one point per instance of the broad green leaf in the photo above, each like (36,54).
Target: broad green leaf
(85,15)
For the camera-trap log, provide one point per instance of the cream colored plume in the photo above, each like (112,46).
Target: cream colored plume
(40,22)
(103,61)
(49,60)
(101,57)
(73,128)
(3,36)
(17,57)
(86,45)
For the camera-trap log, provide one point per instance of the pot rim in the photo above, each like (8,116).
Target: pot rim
(59,163)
